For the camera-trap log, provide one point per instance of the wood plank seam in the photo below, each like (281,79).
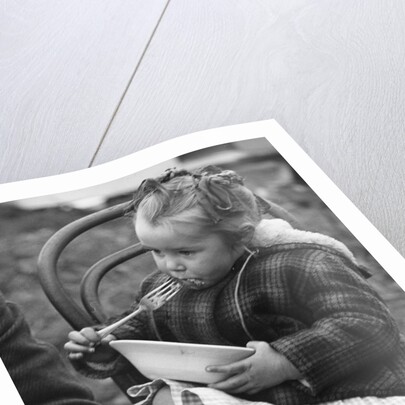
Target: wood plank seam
(128,85)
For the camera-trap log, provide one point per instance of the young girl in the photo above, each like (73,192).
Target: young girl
(320,333)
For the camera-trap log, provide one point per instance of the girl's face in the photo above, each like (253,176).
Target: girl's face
(185,252)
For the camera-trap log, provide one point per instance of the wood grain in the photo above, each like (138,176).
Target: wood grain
(64,66)
(330,72)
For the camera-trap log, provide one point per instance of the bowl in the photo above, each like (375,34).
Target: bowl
(179,361)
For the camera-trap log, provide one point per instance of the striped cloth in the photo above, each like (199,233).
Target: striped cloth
(189,394)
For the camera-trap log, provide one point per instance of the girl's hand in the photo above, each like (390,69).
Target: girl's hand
(264,369)
(83,343)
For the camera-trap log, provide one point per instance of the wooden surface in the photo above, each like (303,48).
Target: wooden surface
(64,67)
(84,83)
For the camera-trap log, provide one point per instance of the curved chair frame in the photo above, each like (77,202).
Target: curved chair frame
(48,269)
(76,316)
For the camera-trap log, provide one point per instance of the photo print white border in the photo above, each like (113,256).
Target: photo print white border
(378,246)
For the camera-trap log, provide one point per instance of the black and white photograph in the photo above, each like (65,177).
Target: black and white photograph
(216,277)
(202,202)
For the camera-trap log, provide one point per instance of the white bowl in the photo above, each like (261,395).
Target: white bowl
(179,361)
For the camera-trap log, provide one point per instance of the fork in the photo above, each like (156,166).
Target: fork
(149,302)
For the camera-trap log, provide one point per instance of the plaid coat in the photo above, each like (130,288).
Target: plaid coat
(310,303)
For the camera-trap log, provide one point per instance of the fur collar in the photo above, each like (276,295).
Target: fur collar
(271,232)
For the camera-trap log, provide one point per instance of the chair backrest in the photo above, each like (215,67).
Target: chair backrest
(91,312)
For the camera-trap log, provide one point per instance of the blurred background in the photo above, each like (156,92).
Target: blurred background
(27,225)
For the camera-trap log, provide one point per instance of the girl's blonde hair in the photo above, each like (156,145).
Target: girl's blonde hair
(215,199)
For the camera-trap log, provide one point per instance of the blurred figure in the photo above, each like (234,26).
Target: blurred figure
(35,367)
